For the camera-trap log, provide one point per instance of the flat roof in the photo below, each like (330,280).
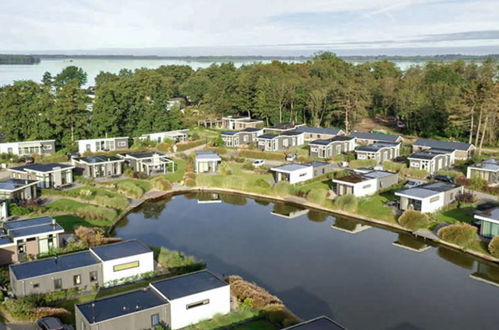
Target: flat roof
(119,305)
(53,265)
(316,163)
(143,154)
(16,224)
(352,178)
(290,167)
(22,142)
(230,132)
(376,136)
(491,164)
(15,184)
(31,227)
(427,190)
(443,144)
(207,155)
(5,240)
(100,159)
(378,174)
(268,136)
(189,284)
(120,250)
(319,130)
(252,129)
(50,167)
(490,214)
(103,139)
(294,132)
(320,323)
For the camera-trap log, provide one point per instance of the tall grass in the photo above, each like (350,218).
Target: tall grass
(414,220)
(348,203)
(130,189)
(160,183)
(414,173)
(390,166)
(317,195)
(461,233)
(189,145)
(494,246)
(261,154)
(359,163)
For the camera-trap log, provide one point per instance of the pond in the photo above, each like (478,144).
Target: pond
(362,276)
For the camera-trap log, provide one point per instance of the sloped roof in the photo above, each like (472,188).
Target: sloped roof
(450,145)
(318,130)
(376,136)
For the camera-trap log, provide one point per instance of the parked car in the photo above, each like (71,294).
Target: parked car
(258,162)
(50,323)
(343,164)
(291,157)
(378,168)
(443,178)
(413,183)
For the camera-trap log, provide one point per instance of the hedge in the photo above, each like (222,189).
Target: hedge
(461,233)
(261,154)
(494,246)
(414,220)
(359,163)
(189,145)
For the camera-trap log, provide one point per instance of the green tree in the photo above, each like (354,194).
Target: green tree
(69,75)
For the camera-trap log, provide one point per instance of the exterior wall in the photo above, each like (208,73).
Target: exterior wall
(206,166)
(269,144)
(53,179)
(28,148)
(219,303)
(96,145)
(8,254)
(231,140)
(100,169)
(387,181)
(364,188)
(300,175)
(26,193)
(428,205)
(48,147)
(138,320)
(240,125)
(450,196)
(492,177)
(45,283)
(434,165)
(322,170)
(146,264)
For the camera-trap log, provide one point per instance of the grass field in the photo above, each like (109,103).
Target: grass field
(462,214)
(315,185)
(70,222)
(374,207)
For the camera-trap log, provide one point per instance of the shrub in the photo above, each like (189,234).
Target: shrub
(347,202)
(359,163)
(131,189)
(262,183)
(494,247)
(414,173)
(161,183)
(17,210)
(243,290)
(116,202)
(248,166)
(317,196)
(225,169)
(283,188)
(461,233)
(190,182)
(165,146)
(96,212)
(190,175)
(85,193)
(414,220)
(189,145)
(465,197)
(393,166)
(344,157)
(176,260)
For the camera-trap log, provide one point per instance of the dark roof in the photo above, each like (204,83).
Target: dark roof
(205,152)
(53,265)
(14,184)
(100,159)
(4,240)
(293,132)
(120,250)
(376,136)
(40,167)
(189,284)
(230,132)
(429,154)
(338,138)
(268,136)
(31,227)
(443,144)
(318,130)
(343,138)
(320,323)
(120,305)
(439,186)
(252,129)
(322,142)
(375,147)
(283,126)
(144,154)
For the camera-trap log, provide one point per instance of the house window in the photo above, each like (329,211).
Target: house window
(77,279)
(93,276)
(36,285)
(303,174)
(128,265)
(87,147)
(155,320)
(434,199)
(47,147)
(57,283)
(197,304)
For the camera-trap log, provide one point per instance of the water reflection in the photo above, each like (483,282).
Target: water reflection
(349,225)
(457,258)
(487,273)
(206,198)
(409,242)
(317,216)
(288,211)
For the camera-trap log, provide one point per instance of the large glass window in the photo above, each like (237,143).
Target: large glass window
(77,279)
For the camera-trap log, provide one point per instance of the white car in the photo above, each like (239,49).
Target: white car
(413,183)
(291,157)
(343,164)
(258,163)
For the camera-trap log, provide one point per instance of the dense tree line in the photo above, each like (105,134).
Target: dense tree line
(456,100)
(19,59)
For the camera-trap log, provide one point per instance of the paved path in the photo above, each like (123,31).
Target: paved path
(482,196)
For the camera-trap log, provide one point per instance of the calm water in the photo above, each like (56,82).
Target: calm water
(10,73)
(362,280)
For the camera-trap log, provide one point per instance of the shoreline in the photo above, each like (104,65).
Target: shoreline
(300,202)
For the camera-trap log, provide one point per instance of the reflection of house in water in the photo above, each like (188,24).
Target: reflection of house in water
(208,198)
(457,258)
(349,225)
(409,242)
(287,211)
(487,273)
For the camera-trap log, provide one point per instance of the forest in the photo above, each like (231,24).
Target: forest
(18,59)
(455,100)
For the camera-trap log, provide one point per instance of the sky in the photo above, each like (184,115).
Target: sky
(256,27)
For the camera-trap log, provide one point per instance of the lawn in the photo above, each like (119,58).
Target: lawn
(221,321)
(462,214)
(70,222)
(374,207)
(256,325)
(179,171)
(89,215)
(315,185)
(144,184)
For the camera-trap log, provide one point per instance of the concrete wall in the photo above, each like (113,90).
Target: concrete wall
(138,320)
(46,282)
(219,303)
(387,181)
(146,264)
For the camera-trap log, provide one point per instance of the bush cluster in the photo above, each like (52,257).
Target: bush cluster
(348,203)
(414,173)
(461,234)
(117,202)
(130,189)
(414,220)
(283,188)
(494,246)
(317,195)
(175,260)
(161,183)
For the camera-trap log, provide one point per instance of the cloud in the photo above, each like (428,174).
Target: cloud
(89,24)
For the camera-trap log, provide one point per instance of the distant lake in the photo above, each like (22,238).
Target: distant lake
(366,278)
(11,73)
